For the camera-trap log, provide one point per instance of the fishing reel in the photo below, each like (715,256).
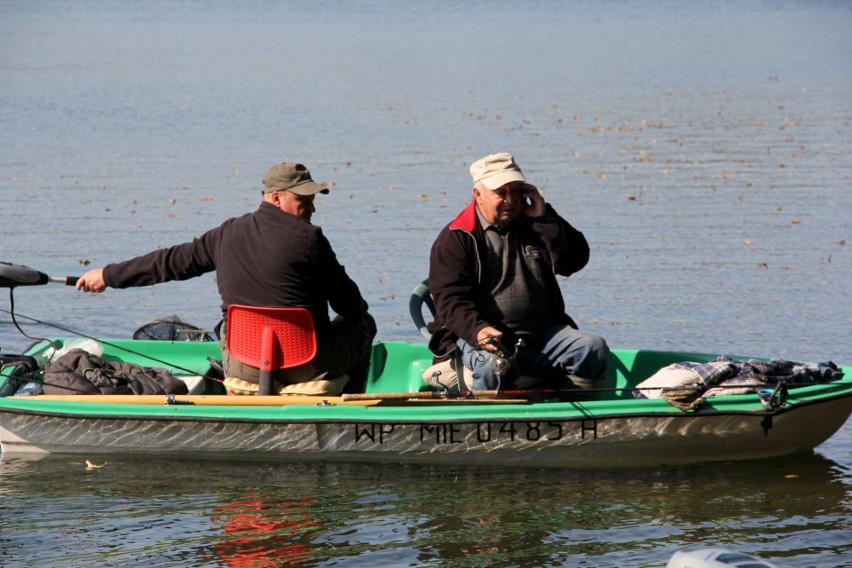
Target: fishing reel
(500,361)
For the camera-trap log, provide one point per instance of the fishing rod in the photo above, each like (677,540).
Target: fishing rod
(14,275)
(464,394)
(448,394)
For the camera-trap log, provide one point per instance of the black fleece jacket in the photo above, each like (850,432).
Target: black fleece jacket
(267,258)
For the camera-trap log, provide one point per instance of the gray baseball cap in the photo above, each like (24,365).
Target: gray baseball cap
(292,177)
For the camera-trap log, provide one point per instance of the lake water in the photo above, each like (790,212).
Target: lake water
(704,150)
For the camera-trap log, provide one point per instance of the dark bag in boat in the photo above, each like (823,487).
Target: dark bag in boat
(25,365)
(80,372)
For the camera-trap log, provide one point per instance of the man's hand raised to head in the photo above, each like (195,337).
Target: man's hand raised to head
(533,201)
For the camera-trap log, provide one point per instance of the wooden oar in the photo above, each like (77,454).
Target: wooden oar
(225,400)
(201,399)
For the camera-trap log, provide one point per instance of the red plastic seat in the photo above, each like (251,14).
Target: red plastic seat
(270,339)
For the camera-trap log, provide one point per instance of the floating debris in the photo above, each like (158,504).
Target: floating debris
(90,465)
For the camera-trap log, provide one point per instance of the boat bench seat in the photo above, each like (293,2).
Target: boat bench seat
(399,369)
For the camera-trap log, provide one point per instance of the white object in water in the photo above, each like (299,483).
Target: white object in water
(715,558)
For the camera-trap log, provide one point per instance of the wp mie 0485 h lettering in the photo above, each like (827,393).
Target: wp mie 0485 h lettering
(478,433)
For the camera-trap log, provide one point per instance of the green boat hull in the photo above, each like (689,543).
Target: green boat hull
(617,430)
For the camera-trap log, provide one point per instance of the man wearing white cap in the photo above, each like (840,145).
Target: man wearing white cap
(273,257)
(492,275)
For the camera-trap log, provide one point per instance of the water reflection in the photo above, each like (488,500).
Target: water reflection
(275,514)
(262,532)
(701,147)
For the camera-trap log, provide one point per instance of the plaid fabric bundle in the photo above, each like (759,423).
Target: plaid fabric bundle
(724,375)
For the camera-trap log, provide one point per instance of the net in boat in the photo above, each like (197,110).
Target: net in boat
(172,328)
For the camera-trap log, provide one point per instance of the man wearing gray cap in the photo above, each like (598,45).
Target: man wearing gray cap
(492,275)
(273,257)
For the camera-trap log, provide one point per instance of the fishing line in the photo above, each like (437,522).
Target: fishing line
(83,335)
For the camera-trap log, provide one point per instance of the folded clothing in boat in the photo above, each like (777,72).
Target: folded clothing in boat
(81,372)
(724,375)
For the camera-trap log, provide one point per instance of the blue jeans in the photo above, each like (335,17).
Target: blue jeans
(560,352)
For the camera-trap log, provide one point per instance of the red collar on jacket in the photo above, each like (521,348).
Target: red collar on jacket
(467,219)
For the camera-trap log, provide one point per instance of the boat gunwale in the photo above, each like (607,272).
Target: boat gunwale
(673,413)
(621,406)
